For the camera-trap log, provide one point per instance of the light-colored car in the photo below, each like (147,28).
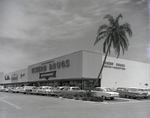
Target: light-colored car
(147,90)
(6,89)
(16,89)
(11,89)
(140,90)
(105,93)
(34,90)
(48,90)
(2,88)
(57,90)
(26,89)
(42,90)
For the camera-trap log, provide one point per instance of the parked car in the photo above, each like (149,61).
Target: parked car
(140,90)
(2,88)
(129,93)
(71,91)
(11,89)
(16,89)
(42,90)
(34,90)
(57,90)
(48,90)
(105,93)
(6,89)
(26,89)
(147,90)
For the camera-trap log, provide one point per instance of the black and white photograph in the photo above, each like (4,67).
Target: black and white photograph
(74,58)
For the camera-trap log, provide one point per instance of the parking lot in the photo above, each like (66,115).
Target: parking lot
(17,105)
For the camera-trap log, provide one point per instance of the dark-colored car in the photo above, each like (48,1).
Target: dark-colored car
(140,90)
(129,93)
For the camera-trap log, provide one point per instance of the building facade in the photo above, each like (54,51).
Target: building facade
(75,69)
(16,78)
(125,73)
(81,69)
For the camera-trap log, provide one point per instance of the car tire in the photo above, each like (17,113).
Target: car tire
(112,98)
(127,96)
(104,98)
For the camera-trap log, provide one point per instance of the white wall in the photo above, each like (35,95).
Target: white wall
(129,74)
(1,77)
(91,64)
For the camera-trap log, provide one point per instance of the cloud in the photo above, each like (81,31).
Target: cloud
(50,28)
(123,2)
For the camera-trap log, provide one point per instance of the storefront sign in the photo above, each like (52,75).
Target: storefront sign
(48,74)
(14,76)
(51,66)
(22,75)
(7,77)
(114,65)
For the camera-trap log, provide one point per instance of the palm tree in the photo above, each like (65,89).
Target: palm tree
(113,34)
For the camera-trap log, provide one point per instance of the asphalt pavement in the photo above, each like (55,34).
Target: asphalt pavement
(14,105)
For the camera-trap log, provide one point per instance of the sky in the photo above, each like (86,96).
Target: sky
(33,31)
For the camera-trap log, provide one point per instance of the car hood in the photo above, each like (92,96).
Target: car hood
(113,93)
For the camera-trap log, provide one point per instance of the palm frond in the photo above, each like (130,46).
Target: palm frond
(101,35)
(114,33)
(102,27)
(126,27)
(110,19)
(117,18)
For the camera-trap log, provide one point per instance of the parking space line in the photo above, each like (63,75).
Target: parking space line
(9,103)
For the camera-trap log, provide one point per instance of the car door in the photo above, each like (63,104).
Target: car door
(98,92)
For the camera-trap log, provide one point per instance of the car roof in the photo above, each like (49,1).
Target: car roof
(103,87)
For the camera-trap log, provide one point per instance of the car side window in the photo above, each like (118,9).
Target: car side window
(119,89)
(98,89)
(124,90)
(66,89)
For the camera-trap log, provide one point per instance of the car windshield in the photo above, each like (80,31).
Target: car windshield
(107,90)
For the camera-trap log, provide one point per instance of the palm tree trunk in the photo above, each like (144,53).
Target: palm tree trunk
(102,65)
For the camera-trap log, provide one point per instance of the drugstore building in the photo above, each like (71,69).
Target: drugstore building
(81,69)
